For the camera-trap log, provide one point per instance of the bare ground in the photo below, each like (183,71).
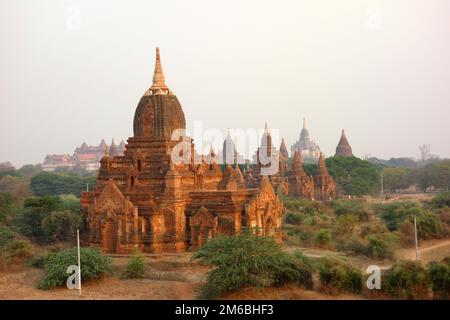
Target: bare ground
(173,277)
(169,278)
(429,250)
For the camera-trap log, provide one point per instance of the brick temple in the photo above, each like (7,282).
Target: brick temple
(144,199)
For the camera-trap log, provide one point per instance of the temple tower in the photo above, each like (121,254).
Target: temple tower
(300,184)
(343,148)
(149,199)
(323,183)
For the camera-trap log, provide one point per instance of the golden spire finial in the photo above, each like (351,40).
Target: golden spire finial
(159,81)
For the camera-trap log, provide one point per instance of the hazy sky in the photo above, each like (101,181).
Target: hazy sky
(379,69)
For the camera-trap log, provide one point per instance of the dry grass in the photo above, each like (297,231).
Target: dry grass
(167,276)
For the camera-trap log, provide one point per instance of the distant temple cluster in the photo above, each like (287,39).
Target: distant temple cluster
(310,151)
(291,179)
(86,157)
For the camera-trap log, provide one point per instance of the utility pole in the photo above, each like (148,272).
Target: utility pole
(415,238)
(381,181)
(79,261)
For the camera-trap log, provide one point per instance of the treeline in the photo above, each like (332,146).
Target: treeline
(352,175)
(44,207)
(433,175)
(46,183)
(31,180)
(42,220)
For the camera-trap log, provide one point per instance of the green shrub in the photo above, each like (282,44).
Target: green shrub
(429,224)
(312,221)
(439,275)
(377,246)
(39,262)
(406,280)
(93,266)
(444,215)
(7,202)
(304,235)
(304,206)
(337,276)
(17,252)
(248,260)
(6,235)
(61,225)
(323,238)
(293,218)
(70,202)
(345,224)
(441,200)
(28,220)
(46,219)
(371,228)
(352,207)
(353,245)
(406,232)
(381,246)
(394,214)
(295,268)
(136,267)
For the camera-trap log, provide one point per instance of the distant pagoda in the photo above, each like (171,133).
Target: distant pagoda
(310,151)
(343,148)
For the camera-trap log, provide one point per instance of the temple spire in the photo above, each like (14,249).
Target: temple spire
(159,81)
(321,166)
(106,152)
(113,149)
(283,149)
(343,148)
(304,123)
(297,163)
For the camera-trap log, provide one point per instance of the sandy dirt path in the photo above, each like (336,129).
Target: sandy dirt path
(429,250)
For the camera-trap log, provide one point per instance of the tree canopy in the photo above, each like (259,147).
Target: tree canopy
(354,176)
(46,183)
